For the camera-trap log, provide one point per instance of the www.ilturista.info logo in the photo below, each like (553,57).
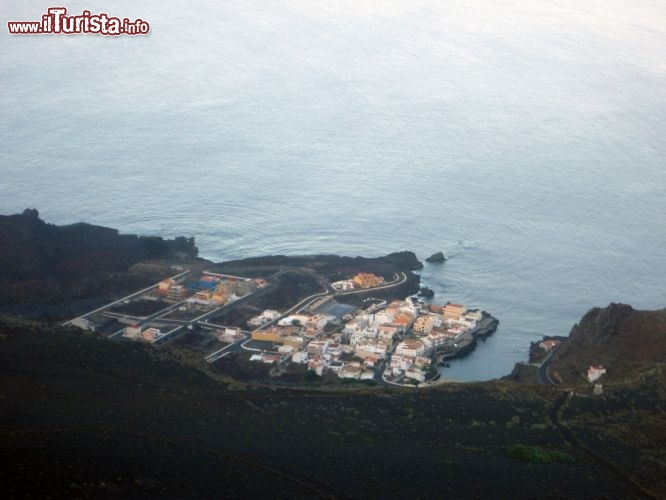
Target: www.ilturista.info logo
(56,21)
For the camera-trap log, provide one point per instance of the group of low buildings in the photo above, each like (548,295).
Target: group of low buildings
(402,334)
(371,333)
(140,332)
(305,326)
(359,282)
(291,334)
(265,317)
(211,290)
(417,328)
(443,325)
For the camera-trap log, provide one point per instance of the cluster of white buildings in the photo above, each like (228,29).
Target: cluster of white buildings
(443,325)
(325,355)
(295,335)
(265,317)
(371,333)
(311,325)
(431,326)
(367,339)
(370,337)
(408,360)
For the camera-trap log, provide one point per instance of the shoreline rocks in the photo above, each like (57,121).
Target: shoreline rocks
(437,258)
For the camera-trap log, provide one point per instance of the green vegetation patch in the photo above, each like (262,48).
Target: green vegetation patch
(538,455)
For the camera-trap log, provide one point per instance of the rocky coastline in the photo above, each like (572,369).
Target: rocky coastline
(466,345)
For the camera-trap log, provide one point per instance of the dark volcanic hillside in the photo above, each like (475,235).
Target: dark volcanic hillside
(43,263)
(626,341)
(81,416)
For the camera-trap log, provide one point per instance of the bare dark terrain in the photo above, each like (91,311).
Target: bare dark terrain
(54,272)
(83,416)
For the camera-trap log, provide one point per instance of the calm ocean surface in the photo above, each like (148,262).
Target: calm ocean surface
(526,140)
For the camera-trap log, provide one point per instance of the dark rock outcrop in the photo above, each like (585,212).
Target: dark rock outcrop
(45,263)
(524,373)
(437,257)
(334,265)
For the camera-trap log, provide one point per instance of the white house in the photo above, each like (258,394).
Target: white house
(133,331)
(594,372)
(343,285)
(300,357)
(382,317)
(401,362)
(410,347)
(415,374)
(264,317)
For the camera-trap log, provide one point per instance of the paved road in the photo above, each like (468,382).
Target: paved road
(148,319)
(298,306)
(119,301)
(209,314)
(235,347)
(543,375)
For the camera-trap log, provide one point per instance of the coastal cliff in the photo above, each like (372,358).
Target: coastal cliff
(626,341)
(630,344)
(44,264)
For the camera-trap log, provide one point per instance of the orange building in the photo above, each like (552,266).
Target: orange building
(367,280)
(402,320)
(274,333)
(204,295)
(176,292)
(150,334)
(453,311)
(423,325)
(164,285)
